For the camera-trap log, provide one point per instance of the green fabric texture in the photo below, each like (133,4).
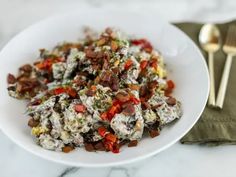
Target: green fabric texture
(214,127)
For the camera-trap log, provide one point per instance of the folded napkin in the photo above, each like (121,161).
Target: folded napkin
(214,126)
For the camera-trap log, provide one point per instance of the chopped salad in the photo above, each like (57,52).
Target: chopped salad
(101,93)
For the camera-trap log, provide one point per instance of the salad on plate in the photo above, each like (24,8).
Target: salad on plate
(100,93)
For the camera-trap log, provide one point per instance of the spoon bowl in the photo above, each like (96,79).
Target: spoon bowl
(210,41)
(209,38)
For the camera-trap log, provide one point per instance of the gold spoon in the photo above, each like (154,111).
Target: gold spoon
(210,41)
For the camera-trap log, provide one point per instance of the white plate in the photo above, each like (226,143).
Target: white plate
(184,61)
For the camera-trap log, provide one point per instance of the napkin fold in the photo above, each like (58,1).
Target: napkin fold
(214,127)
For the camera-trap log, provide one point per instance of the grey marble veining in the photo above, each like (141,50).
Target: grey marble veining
(178,160)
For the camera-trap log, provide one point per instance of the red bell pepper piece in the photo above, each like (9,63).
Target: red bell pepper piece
(59,90)
(102,131)
(128,64)
(170,84)
(111,137)
(143,64)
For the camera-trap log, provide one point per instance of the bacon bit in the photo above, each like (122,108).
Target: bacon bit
(111,137)
(71,92)
(80,108)
(134,86)
(11,79)
(90,54)
(153,63)
(67,149)
(99,55)
(33,123)
(26,84)
(129,110)
(128,64)
(114,46)
(143,73)
(88,147)
(27,68)
(171,101)
(106,76)
(143,64)
(154,133)
(102,131)
(99,146)
(122,96)
(115,70)
(133,143)
(145,105)
(143,91)
(101,42)
(115,83)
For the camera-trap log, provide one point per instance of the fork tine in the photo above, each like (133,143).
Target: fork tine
(231,36)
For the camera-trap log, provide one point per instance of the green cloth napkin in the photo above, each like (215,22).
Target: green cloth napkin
(214,126)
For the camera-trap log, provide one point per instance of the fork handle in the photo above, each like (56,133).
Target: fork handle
(224,82)
(211,98)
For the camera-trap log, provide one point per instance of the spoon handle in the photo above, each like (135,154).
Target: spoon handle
(211,99)
(224,82)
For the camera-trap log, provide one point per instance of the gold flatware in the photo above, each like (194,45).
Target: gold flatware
(230,49)
(210,41)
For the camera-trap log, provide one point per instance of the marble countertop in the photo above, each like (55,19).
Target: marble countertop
(178,160)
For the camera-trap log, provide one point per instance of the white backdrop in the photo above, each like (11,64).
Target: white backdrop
(179,160)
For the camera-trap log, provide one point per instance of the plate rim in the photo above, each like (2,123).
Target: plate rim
(122,162)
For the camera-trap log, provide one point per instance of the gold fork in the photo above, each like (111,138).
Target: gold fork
(230,49)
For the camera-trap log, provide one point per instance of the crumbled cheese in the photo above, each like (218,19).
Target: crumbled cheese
(47,142)
(71,62)
(58,70)
(121,124)
(149,116)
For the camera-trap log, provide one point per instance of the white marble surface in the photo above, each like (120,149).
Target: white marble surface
(178,160)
